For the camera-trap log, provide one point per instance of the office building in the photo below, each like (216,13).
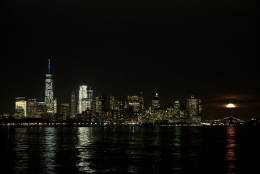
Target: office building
(156,102)
(73,103)
(41,108)
(115,104)
(100,104)
(176,109)
(21,107)
(193,109)
(82,99)
(135,103)
(50,102)
(90,98)
(65,111)
(32,108)
(85,98)
(112,103)
(141,100)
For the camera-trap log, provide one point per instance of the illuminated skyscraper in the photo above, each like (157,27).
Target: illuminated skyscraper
(82,98)
(73,109)
(194,109)
(51,103)
(21,106)
(100,104)
(176,109)
(90,98)
(32,108)
(136,102)
(41,108)
(115,103)
(112,103)
(200,107)
(156,102)
(65,111)
(141,99)
(85,98)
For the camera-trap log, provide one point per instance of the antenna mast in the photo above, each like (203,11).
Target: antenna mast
(49,66)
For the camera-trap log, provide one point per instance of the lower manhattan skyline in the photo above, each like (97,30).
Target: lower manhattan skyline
(213,102)
(129,86)
(178,49)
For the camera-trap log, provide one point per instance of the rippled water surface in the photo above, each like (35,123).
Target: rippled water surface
(130,150)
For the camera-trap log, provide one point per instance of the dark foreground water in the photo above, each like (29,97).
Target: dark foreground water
(130,150)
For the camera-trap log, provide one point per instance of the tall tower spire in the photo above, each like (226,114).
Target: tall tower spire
(50,101)
(49,66)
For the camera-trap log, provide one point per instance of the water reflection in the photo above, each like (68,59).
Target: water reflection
(231,150)
(128,150)
(177,154)
(49,149)
(83,147)
(20,150)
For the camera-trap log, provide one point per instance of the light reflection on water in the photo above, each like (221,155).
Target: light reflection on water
(49,135)
(127,150)
(231,146)
(20,150)
(83,147)
(131,153)
(177,154)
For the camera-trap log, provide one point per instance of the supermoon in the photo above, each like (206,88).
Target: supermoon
(230,105)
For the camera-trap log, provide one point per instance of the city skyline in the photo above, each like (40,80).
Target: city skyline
(168,102)
(94,109)
(120,48)
(119,86)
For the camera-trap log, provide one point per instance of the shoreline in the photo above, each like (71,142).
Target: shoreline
(108,126)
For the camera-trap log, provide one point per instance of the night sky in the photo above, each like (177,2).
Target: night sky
(120,47)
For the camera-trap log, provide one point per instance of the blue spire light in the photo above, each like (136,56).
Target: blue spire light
(49,66)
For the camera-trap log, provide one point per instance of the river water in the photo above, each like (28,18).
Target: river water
(129,150)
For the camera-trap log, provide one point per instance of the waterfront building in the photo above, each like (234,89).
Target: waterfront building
(85,98)
(116,104)
(176,109)
(141,100)
(82,99)
(32,108)
(170,113)
(73,108)
(156,102)
(41,109)
(65,111)
(112,103)
(193,109)
(182,113)
(50,101)
(90,98)
(136,103)
(100,104)
(200,107)
(5,115)
(20,107)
